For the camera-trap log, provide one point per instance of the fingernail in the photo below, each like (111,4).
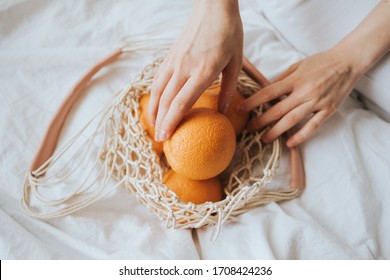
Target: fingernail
(162,135)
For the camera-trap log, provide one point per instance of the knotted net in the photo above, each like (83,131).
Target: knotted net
(125,154)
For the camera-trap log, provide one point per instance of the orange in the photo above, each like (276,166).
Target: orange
(209,99)
(195,191)
(145,121)
(202,145)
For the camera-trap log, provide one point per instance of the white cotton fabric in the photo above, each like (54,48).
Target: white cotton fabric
(46,46)
(314,26)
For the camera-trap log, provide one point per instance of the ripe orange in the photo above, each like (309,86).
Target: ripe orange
(195,191)
(202,145)
(209,99)
(145,121)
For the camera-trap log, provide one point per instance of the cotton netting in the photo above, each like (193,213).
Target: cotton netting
(126,155)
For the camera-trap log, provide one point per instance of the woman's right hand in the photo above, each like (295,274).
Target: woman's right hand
(211,43)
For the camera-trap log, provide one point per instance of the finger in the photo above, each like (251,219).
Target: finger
(307,130)
(275,113)
(291,119)
(182,102)
(287,73)
(267,94)
(171,90)
(161,68)
(158,87)
(228,86)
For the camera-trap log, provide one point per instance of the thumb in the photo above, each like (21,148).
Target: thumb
(228,86)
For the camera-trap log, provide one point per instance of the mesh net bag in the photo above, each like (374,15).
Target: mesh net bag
(125,154)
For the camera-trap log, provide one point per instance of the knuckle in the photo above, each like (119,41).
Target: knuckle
(209,68)
(180,105)
(164,102)
(300,97)
(208,71)
(310,88)
(179,63)
(277,113)
(212,67)
(229,93)
(333,106)
(292,118)
(156,87)
(265,92)
(314,125)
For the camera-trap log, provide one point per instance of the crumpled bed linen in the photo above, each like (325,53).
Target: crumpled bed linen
(46,46)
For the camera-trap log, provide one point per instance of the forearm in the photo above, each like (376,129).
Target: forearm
(369,41)
(226,6)
(211,43)
(214,15)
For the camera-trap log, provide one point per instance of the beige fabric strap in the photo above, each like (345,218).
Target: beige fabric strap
(298,177)
(53,132)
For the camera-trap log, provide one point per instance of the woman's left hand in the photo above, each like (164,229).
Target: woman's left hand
(314,87)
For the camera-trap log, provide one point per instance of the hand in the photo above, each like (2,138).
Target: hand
(210,44)
(313,89)
(309,91)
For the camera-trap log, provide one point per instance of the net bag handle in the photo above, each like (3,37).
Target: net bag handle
(50,139)
(52,134)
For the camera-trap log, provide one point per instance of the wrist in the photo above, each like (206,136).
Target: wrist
(369,41)
(355,59)
(228,7)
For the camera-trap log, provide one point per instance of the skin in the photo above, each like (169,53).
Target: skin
(211,43)
(308,93)
(314,88)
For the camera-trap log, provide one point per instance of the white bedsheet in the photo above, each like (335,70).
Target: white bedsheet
(45,46)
